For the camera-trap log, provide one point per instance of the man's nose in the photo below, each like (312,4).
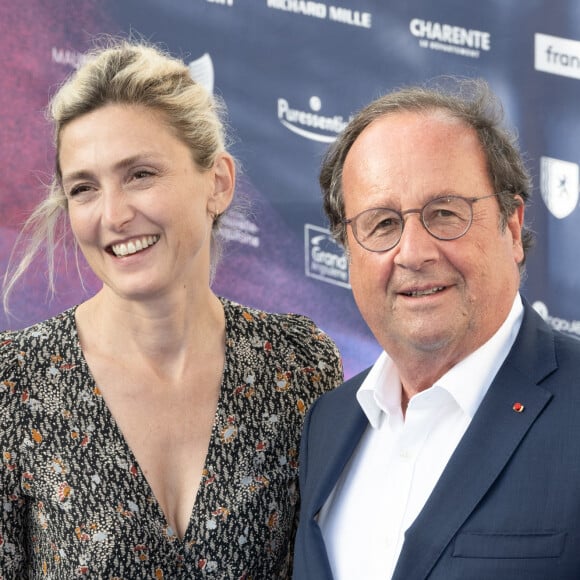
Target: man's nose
(416,246)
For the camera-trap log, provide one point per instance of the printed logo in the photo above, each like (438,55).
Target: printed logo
(310,124)
(201,71)
(556,55)
(69,57)
(448,38)
(322,11)
(559,183)
(568,326)
(222,2)
(236,227)
(324,259)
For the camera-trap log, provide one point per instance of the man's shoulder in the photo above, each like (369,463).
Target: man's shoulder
(537,337)
(569,344)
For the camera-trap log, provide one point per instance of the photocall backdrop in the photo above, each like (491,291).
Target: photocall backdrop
(292,73)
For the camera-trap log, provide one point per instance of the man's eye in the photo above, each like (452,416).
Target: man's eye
(142,174)
(444,213)
(384,225)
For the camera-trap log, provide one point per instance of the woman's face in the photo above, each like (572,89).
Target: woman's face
(139,206)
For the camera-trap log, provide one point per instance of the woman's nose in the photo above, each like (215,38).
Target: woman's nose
(116,207)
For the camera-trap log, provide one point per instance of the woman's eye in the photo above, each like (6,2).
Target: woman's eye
(77,189)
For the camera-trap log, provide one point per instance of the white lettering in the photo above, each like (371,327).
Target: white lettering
(454,49)
(329,259)
(329,273)
(295,116)
(476,39)
(570,326)
(62,56)
(240,236)
(316,9)
(322,262)
(561,324)
(348,16)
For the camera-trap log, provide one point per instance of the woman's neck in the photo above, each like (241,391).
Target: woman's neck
(163,333)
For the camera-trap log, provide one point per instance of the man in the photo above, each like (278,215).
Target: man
(457,455)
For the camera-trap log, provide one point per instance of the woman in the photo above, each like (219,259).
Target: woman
(152,431)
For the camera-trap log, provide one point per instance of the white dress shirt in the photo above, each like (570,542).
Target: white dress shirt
(399,460)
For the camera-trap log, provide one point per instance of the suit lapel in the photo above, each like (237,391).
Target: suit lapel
(334,427)
(335,443)
(487,446)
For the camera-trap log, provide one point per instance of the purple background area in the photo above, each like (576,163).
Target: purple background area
(261,55)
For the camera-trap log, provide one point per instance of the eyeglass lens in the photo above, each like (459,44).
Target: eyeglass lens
(445,218)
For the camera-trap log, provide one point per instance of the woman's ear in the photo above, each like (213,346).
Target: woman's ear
(224,173)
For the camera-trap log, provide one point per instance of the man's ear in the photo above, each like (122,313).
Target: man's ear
(224,174)
(515,225)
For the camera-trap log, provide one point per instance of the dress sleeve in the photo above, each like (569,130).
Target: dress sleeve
(318,350)
(12,500)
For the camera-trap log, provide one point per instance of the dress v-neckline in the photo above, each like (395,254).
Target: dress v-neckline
(133,466)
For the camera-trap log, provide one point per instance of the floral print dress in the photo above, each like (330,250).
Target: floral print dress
(74,501)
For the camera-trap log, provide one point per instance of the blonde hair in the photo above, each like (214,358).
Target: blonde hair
(131,73)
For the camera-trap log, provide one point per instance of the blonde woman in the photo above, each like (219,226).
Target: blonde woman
(151,431)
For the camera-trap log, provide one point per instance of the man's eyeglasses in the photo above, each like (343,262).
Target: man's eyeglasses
(446,218)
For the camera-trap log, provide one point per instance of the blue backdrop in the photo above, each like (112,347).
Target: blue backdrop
(292,72)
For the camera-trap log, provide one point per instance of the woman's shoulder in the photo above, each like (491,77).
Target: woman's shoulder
(296,330)
(36,338)
(282,322)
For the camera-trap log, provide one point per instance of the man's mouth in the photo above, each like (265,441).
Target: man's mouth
(133,246)
(429,291)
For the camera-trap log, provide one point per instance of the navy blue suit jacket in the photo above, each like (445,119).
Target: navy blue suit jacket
(507,506)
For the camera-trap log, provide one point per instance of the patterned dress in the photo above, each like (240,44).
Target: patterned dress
(74,501)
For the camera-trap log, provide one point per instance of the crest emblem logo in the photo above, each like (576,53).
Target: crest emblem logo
(559,186)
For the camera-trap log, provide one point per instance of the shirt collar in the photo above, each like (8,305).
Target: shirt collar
(380,393)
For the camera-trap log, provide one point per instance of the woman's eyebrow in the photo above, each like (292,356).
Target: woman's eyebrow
(120,165)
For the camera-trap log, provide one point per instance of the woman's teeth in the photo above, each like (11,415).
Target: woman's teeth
(134,246)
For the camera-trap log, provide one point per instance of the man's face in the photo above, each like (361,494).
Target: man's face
(427,295)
